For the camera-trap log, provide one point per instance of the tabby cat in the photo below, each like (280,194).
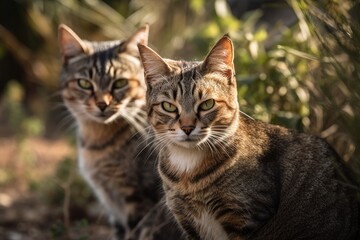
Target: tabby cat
(103,87)
(227,176)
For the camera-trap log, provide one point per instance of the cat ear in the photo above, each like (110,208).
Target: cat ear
(220,58)
(70,43)
(154,66)
(139,37)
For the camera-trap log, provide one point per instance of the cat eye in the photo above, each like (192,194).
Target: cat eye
(120,83)
(207,105)
(84,84)
(168,107)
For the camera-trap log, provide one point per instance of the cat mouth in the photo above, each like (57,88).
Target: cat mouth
(191,139)
(188,140)
(103,116)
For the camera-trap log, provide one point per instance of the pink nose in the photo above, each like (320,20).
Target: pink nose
(187,129)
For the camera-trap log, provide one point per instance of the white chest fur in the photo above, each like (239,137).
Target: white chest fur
(210,228)
(114,209)
(185,160)
(82,164)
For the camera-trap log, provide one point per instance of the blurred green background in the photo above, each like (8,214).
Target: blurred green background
(297,65)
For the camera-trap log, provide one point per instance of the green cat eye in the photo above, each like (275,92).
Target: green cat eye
(207,105)
(120,83)
(168,107)
(84,84)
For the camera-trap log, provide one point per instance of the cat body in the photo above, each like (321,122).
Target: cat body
(227,176)
(103,87)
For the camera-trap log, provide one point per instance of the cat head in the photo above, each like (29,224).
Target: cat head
(101,80)
(191,104)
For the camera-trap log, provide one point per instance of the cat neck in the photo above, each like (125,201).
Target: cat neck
(93,131)
(185,160)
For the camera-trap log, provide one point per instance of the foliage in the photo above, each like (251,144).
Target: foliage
(25,127)
(335,26)
(271,78)
(17,117)
(67,194)
(65,180)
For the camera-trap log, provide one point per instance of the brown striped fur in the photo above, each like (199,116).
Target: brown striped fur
(114,157)
(227,176)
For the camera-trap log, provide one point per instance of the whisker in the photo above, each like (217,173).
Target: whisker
(160,139)
(243,113)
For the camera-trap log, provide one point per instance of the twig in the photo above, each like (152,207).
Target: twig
(66,204)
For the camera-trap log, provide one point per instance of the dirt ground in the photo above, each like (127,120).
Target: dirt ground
(36,203)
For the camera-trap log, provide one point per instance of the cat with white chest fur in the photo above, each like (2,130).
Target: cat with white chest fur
(227,176)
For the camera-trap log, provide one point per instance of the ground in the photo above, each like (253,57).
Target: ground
(41,194)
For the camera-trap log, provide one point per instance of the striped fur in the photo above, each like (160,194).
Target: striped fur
(227,176)
(114,156)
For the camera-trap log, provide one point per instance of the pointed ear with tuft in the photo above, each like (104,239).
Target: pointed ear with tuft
(154,66)
(139,37)
(220,59)
(70,44)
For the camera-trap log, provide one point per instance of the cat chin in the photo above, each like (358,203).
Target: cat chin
(186,144)
(97,119)
(105,118)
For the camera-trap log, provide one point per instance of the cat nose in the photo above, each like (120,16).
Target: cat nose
(102,105)
(187,129)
